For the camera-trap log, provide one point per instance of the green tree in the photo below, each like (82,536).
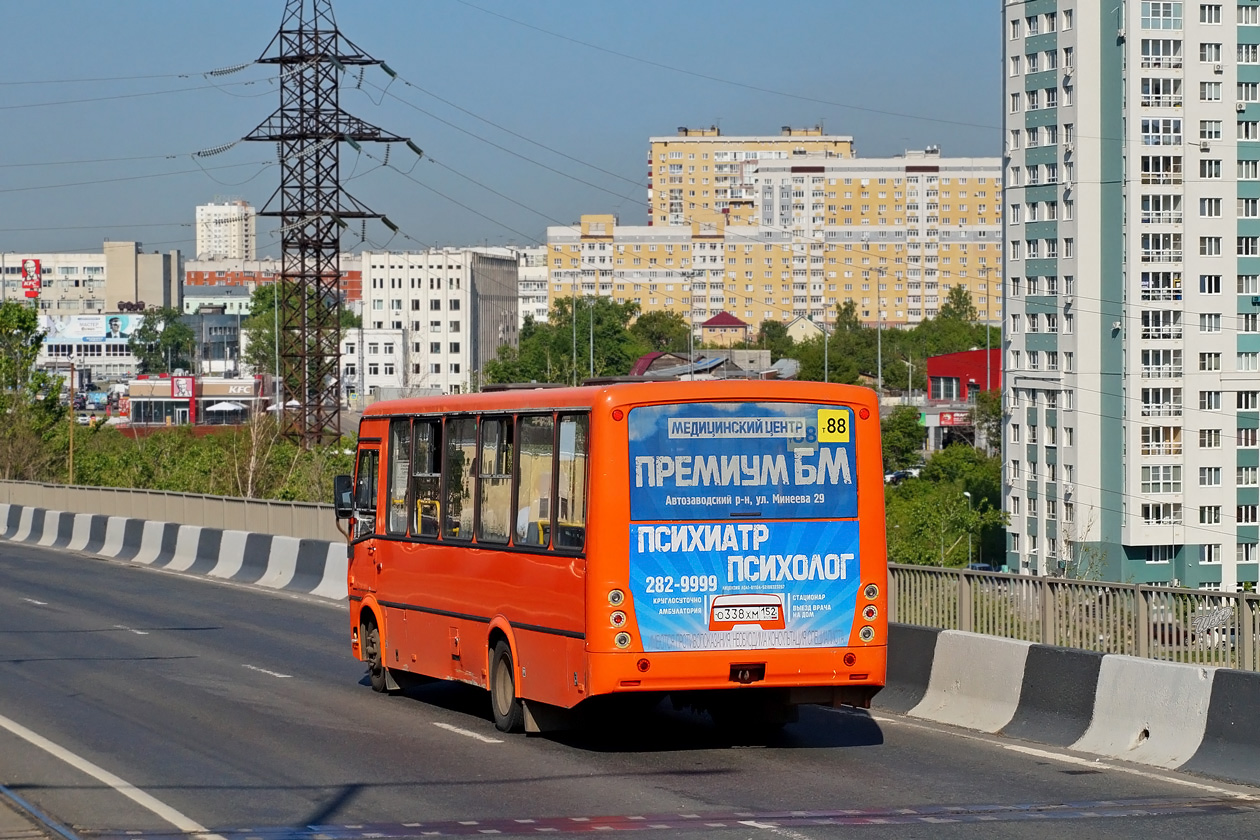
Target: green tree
(902,436)
(958,306)
(546,352)
(259,329)
(929,517)
(662,330)
(32,435)
(838,366)
(162,343)
(987,416)
(773,336)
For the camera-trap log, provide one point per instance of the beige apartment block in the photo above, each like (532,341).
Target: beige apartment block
(700,168)
(893,235)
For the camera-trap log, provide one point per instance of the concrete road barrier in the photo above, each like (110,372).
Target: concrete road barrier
(1148,711)
(1056,698)
(910,670)
(1231,740)
(315,567)
(975,681)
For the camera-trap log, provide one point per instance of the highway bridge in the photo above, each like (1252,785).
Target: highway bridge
(141,702)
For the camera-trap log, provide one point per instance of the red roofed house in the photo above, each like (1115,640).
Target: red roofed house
(723,330)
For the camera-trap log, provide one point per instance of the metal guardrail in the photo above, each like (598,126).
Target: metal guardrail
(263,516)
(1155,622)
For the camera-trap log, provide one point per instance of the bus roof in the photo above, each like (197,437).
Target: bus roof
(648,391)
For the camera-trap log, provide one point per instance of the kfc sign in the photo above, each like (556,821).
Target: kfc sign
(955,418)
(32,277)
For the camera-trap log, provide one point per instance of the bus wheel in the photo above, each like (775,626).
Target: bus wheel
(508,714)
(371,636)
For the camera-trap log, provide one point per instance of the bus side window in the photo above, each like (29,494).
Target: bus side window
(365,494)
(571,483)
(535,452)
(494,468)
(426,477)
(461,456)
(399,472)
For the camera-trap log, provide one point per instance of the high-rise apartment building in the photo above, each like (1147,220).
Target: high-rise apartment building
(893,235)
(226,230)
(702,169)
(1132,298)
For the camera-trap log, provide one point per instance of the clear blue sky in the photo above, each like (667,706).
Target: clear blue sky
(588,80)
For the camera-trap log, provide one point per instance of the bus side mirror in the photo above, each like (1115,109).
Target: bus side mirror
(343,496)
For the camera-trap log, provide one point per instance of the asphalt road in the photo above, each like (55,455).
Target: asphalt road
(146,704)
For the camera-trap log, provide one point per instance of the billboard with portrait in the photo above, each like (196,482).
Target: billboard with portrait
(88,329)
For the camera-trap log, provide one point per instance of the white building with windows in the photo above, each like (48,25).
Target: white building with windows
(1132,299)
(455,307)
(373,360)
(226,230)
(532,280)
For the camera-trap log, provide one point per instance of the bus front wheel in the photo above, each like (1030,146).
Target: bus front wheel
(371,636)
(508,714)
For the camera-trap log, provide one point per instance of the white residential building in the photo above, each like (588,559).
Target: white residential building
(455,306)
(1132,300)
(532,283)
(373,360)
(226,230)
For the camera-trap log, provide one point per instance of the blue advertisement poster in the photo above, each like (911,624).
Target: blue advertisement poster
(718,460)
(719,586)
(722,553)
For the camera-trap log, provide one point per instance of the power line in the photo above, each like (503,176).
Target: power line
(263,164)
(505,130)
(729,82)
(502,148)
(131,95)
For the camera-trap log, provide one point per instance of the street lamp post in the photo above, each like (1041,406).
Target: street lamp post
(969,511)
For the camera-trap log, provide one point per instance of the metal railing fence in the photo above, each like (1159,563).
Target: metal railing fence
(1155,622)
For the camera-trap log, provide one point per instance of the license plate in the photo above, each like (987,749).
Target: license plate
(739,614)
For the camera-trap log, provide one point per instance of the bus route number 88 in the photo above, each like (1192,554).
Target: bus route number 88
(833,425)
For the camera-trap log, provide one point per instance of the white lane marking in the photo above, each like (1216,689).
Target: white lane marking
(774,829)
(131,630)
(1093,763)
(135,794)
(36,603)
(482,738)
(275,674)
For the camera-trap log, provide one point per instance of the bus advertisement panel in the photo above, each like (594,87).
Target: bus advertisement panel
(780,568)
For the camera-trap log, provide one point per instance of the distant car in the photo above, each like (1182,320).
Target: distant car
(980,567)
(83,420)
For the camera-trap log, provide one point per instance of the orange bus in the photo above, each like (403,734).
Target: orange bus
(721,542)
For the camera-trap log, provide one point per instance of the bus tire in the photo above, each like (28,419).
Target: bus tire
(373,656)
(509,716)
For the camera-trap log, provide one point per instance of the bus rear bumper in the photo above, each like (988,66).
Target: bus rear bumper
(808,675)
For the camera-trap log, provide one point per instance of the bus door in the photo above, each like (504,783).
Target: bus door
(364,564)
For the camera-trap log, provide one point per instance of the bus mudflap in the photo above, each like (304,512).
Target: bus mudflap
(543,717)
